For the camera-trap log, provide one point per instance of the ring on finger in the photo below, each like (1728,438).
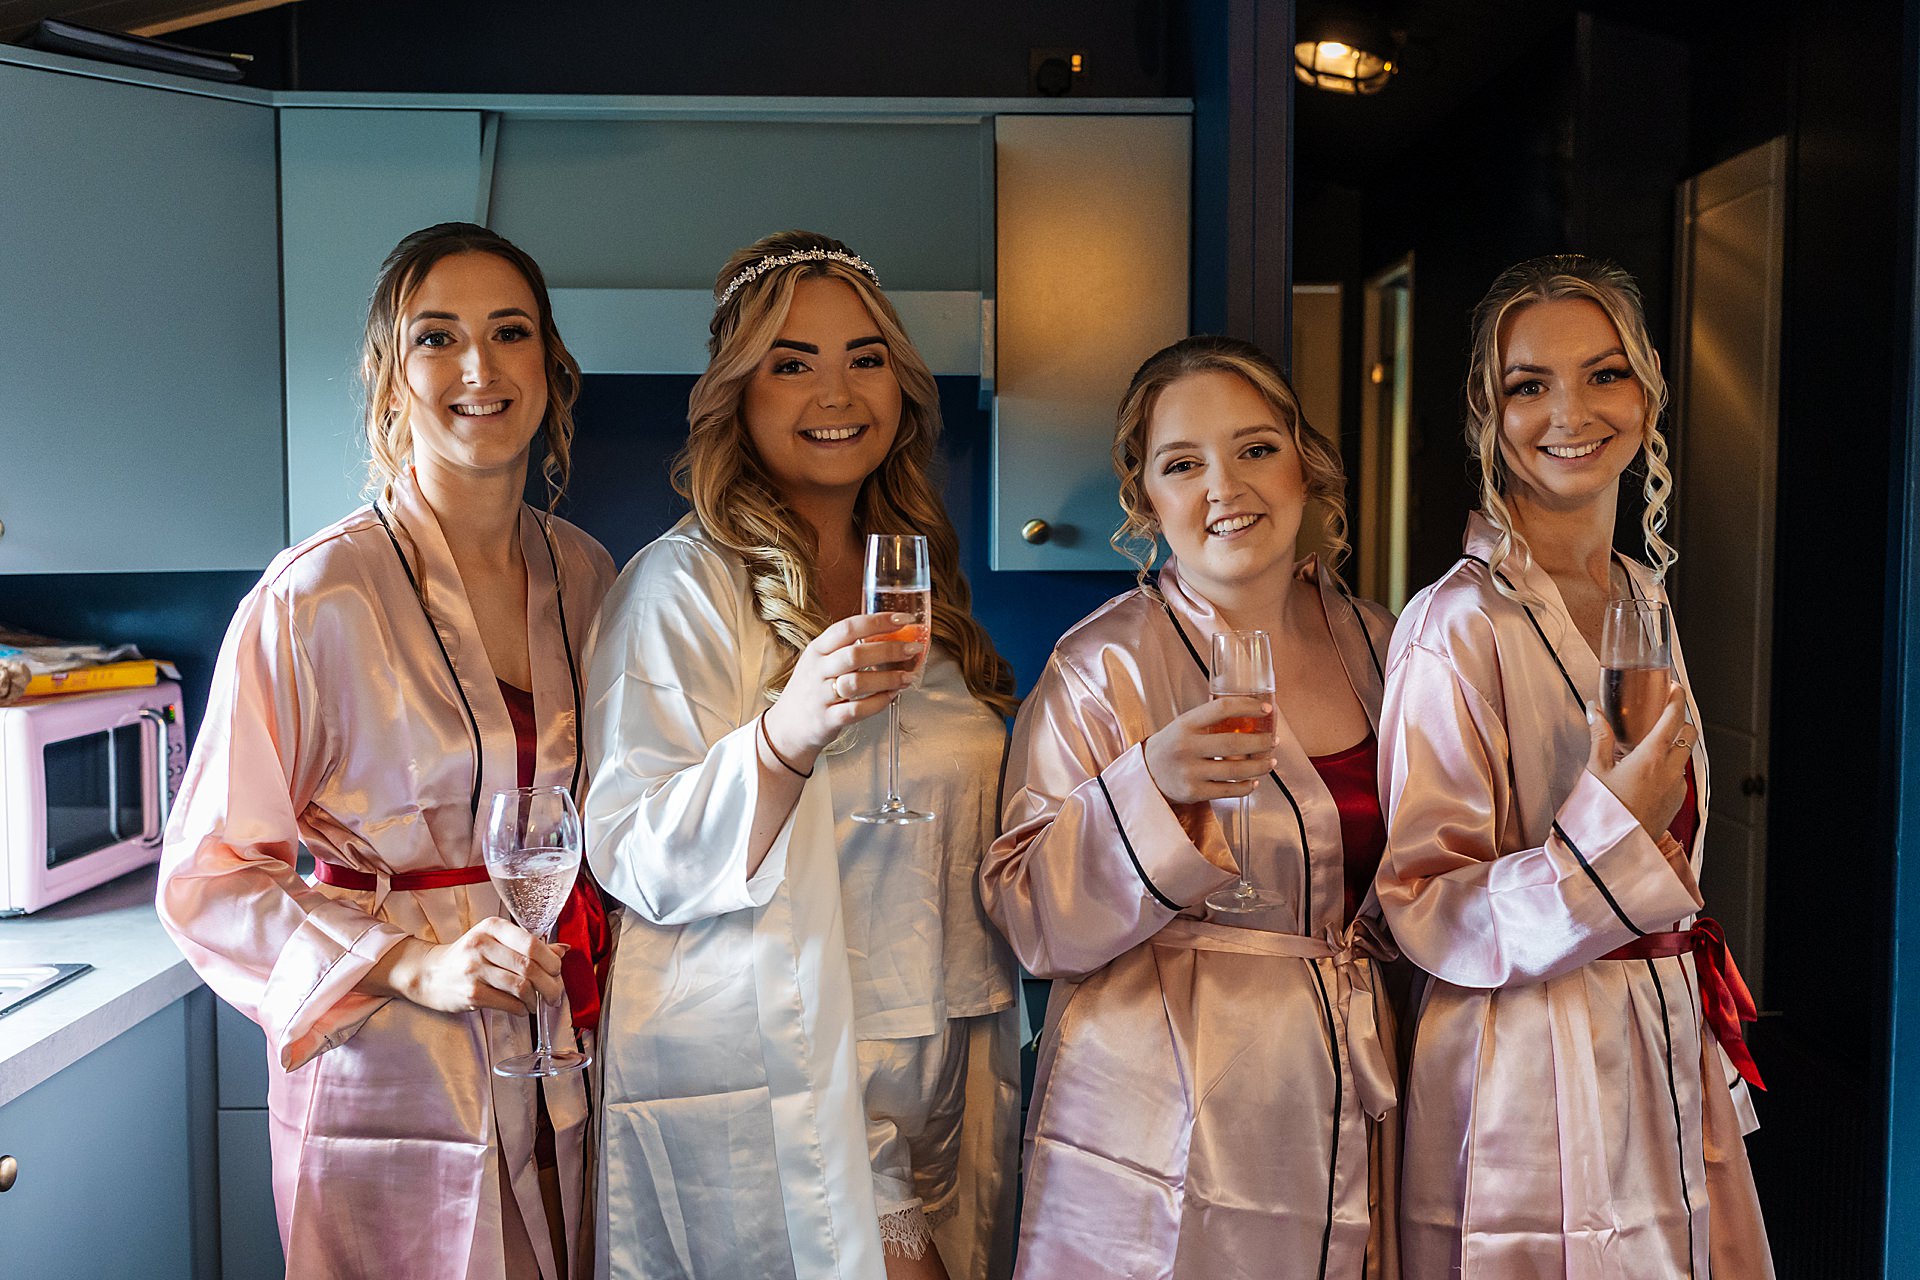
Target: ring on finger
(1681,744)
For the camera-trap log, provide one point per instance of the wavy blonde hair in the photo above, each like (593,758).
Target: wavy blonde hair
(1546,279)
(382,352)
(741,507)
(1138,537)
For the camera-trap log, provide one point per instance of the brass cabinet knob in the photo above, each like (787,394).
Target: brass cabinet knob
(9,1172)
(1036,531)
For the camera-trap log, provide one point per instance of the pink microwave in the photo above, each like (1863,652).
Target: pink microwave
(86,780)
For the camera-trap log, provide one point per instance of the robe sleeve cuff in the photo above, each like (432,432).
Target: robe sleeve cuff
(1182,858)
(309,1004)
(1676,857)
(1621,860)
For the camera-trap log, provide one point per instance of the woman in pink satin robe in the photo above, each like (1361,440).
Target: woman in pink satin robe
(1212,1086)
(1576,1103)
(364,707)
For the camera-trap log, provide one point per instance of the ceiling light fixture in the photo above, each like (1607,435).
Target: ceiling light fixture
(1346,48)
(1339,67)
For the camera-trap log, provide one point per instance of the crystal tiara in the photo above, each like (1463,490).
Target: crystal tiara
(749,274)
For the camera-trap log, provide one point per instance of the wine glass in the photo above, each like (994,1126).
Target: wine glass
(897,582)
(1636,662)
(1242,667)
(532,849)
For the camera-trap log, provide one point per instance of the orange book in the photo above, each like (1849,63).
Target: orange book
(138,673)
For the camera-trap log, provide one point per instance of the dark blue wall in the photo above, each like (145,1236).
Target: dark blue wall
(628,427)
(180,616)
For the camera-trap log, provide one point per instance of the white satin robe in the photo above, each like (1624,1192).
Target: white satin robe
(333,722)
(1210,1086)
(735,1141)
(1565,1115)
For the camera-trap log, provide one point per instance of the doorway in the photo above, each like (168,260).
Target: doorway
(1726,423)
(1386,391)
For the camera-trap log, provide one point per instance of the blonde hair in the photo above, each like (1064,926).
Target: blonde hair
(382,352)
(1137,538)
(741,507)
(1553,278)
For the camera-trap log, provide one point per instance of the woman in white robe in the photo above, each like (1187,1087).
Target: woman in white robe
(358,711)
(810,1038)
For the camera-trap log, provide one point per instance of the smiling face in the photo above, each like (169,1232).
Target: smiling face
(1572,413)
(473,367)
(823,407)
(1223,475)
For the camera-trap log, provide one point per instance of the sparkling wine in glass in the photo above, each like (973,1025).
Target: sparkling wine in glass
(897,581)
(533,854)
(1242,667)
(1636,666)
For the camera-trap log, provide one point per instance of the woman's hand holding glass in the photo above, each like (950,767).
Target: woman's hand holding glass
(844,676)
(494,965)
(1184,755)
(1651,779)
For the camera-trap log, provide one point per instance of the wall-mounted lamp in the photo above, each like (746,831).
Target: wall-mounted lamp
(1346,48)
(1340,67)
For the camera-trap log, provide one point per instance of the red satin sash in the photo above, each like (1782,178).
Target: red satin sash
(365,882)
(583,925)
(1724,997)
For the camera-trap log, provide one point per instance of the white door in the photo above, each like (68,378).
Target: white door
(1726,424)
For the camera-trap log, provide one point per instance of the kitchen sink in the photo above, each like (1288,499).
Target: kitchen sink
(20,983)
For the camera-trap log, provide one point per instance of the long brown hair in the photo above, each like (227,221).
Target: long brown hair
(389,435)
(1137,538)
(1546,279)
(741,508)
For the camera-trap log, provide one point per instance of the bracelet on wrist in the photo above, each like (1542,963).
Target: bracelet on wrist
(786,764)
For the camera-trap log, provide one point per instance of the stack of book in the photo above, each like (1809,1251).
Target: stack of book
(134,674)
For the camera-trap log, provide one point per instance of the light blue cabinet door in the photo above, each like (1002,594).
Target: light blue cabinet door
(352,183)
(663,204)
(140,379)
(249,1232)
(106,1162)
(1093,278)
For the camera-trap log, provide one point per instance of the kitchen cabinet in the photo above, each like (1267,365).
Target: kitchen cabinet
(1093,278)
(629,217)
(192,264)
(114,1160)
(352,183)
(249,1232)
(139,429)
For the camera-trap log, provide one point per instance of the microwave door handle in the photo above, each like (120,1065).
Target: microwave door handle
(161,798)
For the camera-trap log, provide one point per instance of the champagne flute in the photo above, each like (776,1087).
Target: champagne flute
(1636,662)
(897,581)
(532,849)
(1242,667)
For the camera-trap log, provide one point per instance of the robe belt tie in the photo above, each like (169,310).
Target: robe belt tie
(1347,959)
(1724,997)
(583,922)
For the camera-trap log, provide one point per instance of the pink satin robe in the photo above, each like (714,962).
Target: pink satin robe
(1210,1088)
(1565,1115)
(335,723)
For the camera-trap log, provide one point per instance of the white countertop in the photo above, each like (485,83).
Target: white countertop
(137,971)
